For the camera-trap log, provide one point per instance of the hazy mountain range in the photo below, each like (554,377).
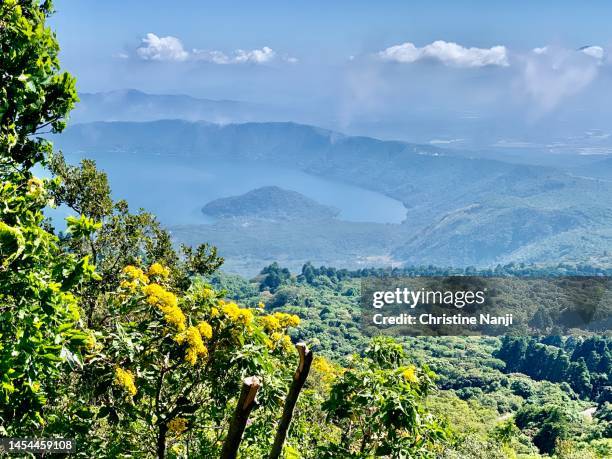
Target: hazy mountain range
(462,208)
(134,105)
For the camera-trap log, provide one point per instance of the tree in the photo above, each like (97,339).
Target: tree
(35,94)
(549,422)
(512,352)
(274,276)
(41,331)
(121,237)
(377,403)
(167,366)
(579,377)
(559,367)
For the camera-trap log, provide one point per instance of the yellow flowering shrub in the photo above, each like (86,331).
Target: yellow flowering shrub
(135,274)
(167,303)
(190,349)
(125,379)
(279,320)
(206,293)
(322,365)
(276,336)
(286,344)
(195,345)
(158,270)
(129,285)
(278,340)
(287,320)
(270,323)
(237,314)
(409,374)
(324,370)
(205,330)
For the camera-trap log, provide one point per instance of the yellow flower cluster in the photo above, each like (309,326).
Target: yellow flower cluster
(195,345)
(409,374)
(136,277)
(205,330)
(158,270)
(279,320)
(177,425)
(236,314)
(270,323)
(322,365)
(168,304)
(281,340)
(287,320)
(325,370)
(125,379)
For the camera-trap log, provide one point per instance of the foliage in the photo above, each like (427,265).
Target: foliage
(34,93)
(40,321)
(377,402)
(167,365)
(586,365)
(111,335)
(40,326)
(118,237)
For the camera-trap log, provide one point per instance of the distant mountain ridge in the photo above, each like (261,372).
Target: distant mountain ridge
(461,210)
(134,105)
(421,176)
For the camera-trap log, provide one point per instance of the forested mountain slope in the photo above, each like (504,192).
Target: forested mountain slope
(461,210)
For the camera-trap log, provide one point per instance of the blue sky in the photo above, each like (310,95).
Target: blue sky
(354,64)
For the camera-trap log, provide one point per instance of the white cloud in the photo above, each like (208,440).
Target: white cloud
(256,56)
(240,56)
(596,52)
(542,50)
(447,53)
(156,48)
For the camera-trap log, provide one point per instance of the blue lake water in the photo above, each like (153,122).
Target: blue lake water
(176,188)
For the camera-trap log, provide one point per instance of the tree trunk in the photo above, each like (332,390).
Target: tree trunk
(299,378)
(245,405)
(161,441)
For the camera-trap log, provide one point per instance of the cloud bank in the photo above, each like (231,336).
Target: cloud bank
(171,49)
(546,75)
(447,53)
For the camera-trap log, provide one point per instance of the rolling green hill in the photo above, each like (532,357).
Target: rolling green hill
(269,203)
